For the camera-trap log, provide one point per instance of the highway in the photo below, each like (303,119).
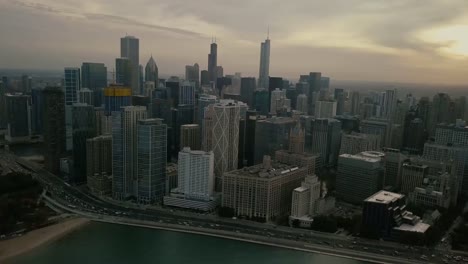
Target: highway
(71,199)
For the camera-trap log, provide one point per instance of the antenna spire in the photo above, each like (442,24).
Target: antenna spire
(268,32)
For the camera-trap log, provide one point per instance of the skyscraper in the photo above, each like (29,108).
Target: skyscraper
(324,139)
(152,72)
(84,127)
(355,103)
(124,150)
(325,109)
(340,101)
(190,136)
(359,176)
(99,165)
(94,77)
(3,118)
(130,48)
(213,62)
(272,134)
(18,112)
(72,85)
(192,74)
(54,128)
(115,97)
(86,96)
(225,136)
(123,72)
(151,160)
(204,77)
(195,181)
(247,90)
(279,103)
(301,104)
(26,84)
(186,93)
(264,71)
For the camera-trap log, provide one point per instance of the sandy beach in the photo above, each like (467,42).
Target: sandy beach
(16,246)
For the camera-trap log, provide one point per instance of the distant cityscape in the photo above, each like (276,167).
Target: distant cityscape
(378,164)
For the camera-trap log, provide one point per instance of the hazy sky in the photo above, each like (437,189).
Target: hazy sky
(379,40)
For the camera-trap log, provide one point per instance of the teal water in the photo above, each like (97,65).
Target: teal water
(99,243)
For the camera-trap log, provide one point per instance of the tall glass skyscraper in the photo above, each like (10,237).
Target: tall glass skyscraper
(72,85)
(84,127)
(151,149)
(264,71)
(115,97)
(151,72)
(94,77)
(130,48)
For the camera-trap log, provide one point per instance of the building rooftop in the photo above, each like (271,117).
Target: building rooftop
(276,169)
(420,227)
(360,157)
(301,189)
(384,197)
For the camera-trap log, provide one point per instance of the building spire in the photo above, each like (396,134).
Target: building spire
(268,32)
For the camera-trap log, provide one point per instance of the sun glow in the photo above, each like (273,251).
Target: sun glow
(453,40)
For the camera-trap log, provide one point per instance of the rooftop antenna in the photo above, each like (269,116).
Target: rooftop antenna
(268,32)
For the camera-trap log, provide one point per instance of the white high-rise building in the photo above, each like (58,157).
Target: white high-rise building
(130,48)
(196,174)
(389,103)
(301,103)
(264,73)
(224,119)
(195,181)
(124,150)
(325,109)
(279,101)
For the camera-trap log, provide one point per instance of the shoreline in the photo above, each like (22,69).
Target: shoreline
(291,245)
(20,245)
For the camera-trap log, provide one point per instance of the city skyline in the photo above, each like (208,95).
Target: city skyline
(427,46)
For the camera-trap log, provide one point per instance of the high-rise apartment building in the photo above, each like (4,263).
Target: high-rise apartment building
(123,72)
(99,165)
(195,181)
(264,72)
(247,90)
(18,117)
(323,137)
(130,48)
(54,128)
(187,93)
(279,103)
(204,101)
(301,104)
(272,134)
(306,199)
(325,109)
(151,160)
(72,85)
(379,127)
(340,99)
(84,128)
(192,74)
(94,77)
(226,116)
(262,101)
(115,97)
(190,136)
(86,96)
(124,150)
(355,103)
(359,176)
(393,165)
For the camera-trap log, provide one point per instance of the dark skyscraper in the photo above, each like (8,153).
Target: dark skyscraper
(264,71)
(247,90)
(26,83)
(130,48)
(152,72)
(2,105)
(123,72)
(18,108)
(192,74)
(340,101)
(37,106)
(213,62)
(204,77)
(54,128)
(275,82)
(262,101)
(84,128)
(94,77)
